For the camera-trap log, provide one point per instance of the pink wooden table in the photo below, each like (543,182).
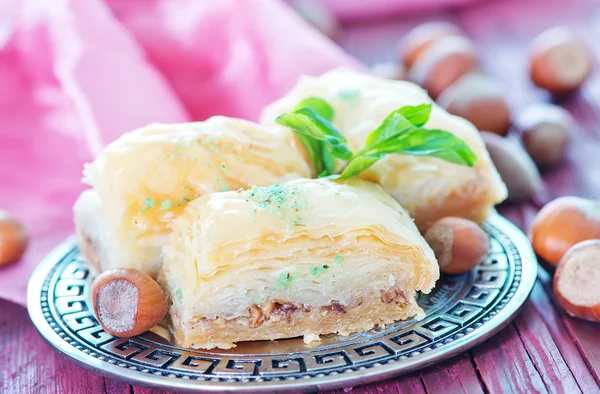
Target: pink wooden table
(542,350)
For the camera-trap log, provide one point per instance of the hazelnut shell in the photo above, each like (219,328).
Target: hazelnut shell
(421,37)
(458,244)
(561,224)
(480,100)
(128,302)
(576,281)
(545,133)
(443,63)
(13,239)
(559,61)
(514,165)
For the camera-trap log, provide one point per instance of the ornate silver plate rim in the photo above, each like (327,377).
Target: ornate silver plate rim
(468,335)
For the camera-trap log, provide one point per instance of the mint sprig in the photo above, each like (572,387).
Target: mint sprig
(400,132)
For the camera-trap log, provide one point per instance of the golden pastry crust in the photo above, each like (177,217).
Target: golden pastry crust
(318,245)
(144,180)
(428,188)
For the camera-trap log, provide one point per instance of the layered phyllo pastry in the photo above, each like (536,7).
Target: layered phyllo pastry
(428,187)
(146,178)
(303,258)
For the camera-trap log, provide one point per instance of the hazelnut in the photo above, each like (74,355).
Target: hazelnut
(545,133)
(559,61)
(459,244)
(576,281)
(388,71)
(515,167)
(480,100)
(422,37)
(13,239)
(128,302)
(318,16)
(563,223)
(443,63)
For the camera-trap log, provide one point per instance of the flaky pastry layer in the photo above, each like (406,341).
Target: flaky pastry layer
(428,188)
(144,180)
(274,320)
(311,243)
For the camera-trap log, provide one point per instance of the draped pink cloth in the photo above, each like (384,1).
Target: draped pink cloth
(76,74)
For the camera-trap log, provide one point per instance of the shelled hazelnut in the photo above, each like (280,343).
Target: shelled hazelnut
(128,302)
(563,223)
(443,63)
(559,61)
(480,100)
(459,244)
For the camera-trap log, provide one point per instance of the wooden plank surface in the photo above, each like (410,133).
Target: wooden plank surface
(542,350)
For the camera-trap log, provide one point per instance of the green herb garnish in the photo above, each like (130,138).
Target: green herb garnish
(400,132)
(311,120)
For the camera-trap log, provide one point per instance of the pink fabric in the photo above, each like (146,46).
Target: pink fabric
(73,78)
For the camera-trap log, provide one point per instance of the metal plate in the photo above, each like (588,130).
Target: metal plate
(461,312)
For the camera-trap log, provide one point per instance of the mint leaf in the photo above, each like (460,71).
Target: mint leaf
(313,148)
(327,160)
(358,165)
(433,143)
(322,123)
(417,115)
(311,121)
(338,148)
(392,126)
(318,105)
(301,124)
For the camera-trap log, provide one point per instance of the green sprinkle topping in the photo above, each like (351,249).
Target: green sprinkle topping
(326,266)
(284,281)
(224,166)
(165,205)
(338,259)
(279,200)
(149,203)
(317,271)
(179,294)
(224,187)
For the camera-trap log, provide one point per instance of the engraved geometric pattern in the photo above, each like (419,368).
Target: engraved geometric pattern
(461,311)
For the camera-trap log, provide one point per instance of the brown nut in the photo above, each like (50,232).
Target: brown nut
(545,133)
(576,281)
(318,16)
(480,100)
(13,239)
(443,63)
(563,223)
(559,61)
(388,71)
(422,37)
(459,244)
(128,302)
(515,167)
